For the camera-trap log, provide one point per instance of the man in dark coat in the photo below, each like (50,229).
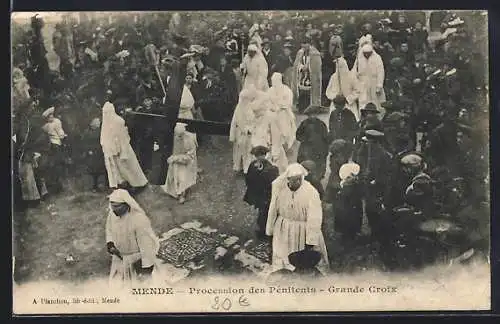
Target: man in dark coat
(229,88)
(375,176)
(261,173)
(269,54)
(419,193)
(143,135)
(283,63)
(340,152)
(369,120)
(210,96)
(397,130)
(148,89)
(216,52)
(312,134)
(348,209)
(343,123)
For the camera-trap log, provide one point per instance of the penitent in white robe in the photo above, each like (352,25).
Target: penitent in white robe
(119,157)
(282,101)
(294,220)
(342,82)
(187,104)
(255,72)
(267,132)
(183,165)
(135,239)
(370,75)
(240,134)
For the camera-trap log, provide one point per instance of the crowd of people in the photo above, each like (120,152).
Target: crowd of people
(406,140)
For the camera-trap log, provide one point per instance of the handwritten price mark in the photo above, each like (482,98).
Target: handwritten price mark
(243,301)
(226,303)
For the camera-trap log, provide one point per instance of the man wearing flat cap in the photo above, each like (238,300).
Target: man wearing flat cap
(419,193)
(376,169)
(259,177)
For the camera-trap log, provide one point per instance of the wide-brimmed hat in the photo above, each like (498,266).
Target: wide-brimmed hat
(396,116)
(304,259)
(370,107)
(390,105)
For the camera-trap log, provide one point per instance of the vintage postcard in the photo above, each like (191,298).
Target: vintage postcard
(238,161)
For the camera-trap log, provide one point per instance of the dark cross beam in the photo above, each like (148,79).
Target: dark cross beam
(163,129)
(194,125)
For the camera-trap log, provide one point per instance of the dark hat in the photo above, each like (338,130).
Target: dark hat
(313,110)
(397,61)
(259,150)
(390,105)
(179,38)
(339,100)
(370,107)
(339,145)
(304,259)
(396,116)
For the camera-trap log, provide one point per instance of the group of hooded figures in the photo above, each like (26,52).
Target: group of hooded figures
(263,133)
(288,196)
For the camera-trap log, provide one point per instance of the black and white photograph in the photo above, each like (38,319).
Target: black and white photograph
(250,161)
